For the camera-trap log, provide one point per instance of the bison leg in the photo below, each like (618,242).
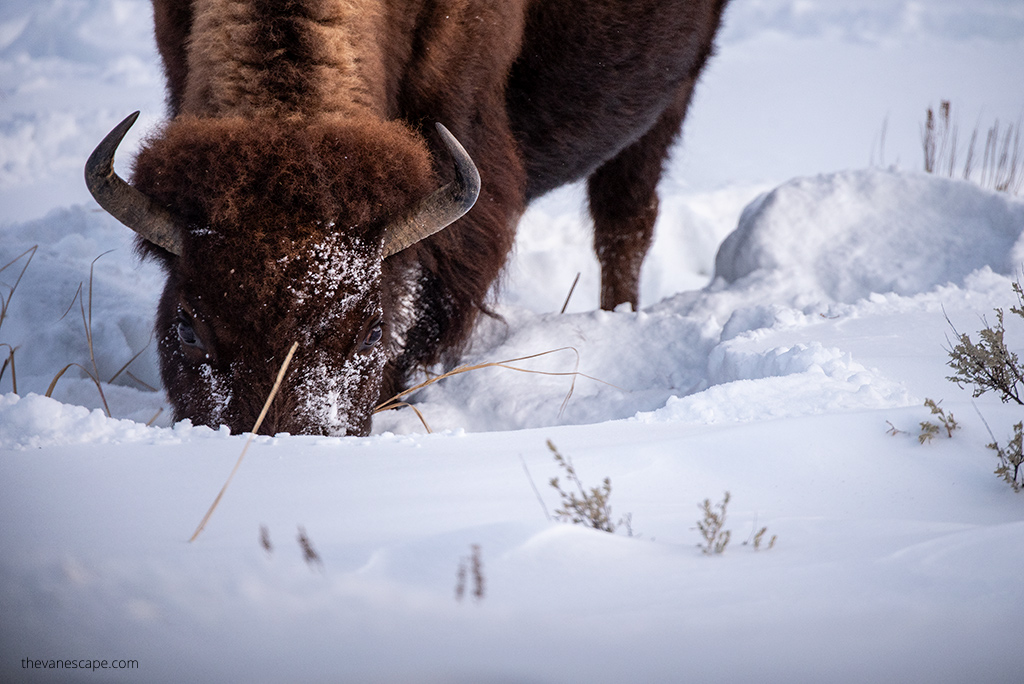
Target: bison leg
(624,205)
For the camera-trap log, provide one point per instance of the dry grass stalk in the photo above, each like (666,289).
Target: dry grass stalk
(94,374)
(309,554)
(9,361)
(473,563)
(878,145)
(592,508)
(571,290)
(88,331)
(5,301)
(1002,156)
(759,540)
(145,385)
(255,428)
(533,486)
(711,526)
(396,401)
(124,368)
(935,136)
(405,404)
(88,373)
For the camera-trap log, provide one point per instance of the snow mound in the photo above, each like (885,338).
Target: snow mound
(804,253)
(846,235)
(803,380)
(34,422)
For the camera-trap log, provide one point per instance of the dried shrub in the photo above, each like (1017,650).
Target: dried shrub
(930,430)
(988,364)
(309,554)
(472,567)
(759,539)
(590,508)
(1011,458)
(711,526)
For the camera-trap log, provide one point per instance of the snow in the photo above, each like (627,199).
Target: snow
(797,304)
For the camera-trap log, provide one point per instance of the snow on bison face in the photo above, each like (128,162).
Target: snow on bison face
(223,338)
(272,235)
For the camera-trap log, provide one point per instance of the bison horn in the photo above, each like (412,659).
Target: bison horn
(125,203)
(441,208)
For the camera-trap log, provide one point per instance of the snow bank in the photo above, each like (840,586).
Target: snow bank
(800,253)
(35,422)
(846,235)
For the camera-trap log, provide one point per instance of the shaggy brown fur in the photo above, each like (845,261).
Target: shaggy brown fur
(301,127)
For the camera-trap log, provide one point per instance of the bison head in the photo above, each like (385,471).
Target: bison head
(273,233)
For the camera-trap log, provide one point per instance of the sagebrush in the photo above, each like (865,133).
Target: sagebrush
(1011,458)
(712,525)
(930,430)
(590,507)
(988,365)
(471,566)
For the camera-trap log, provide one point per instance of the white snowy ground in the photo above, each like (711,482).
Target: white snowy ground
(771,371)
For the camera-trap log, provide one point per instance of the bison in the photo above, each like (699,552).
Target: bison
(300,191)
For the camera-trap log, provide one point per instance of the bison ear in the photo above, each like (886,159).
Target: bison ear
(442,207)
(125,203)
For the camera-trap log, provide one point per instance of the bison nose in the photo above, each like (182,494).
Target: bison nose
(291,414)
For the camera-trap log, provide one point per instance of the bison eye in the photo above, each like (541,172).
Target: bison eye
(372,336)
(187,334)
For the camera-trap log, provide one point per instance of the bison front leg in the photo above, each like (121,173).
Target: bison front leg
(624,205)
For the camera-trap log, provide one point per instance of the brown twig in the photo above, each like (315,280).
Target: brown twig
(255,428)
(395,401)
(571,290)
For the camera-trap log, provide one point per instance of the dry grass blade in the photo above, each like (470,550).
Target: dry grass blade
(533,486)
(88,373)
(9,361)
(88,332)
(6,301)
(309,554)
(404,404)
(124,368)
(94,375)
(60,373)
(255,428)
(396,401)
(1001,159)
(571,290)
(145,385)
